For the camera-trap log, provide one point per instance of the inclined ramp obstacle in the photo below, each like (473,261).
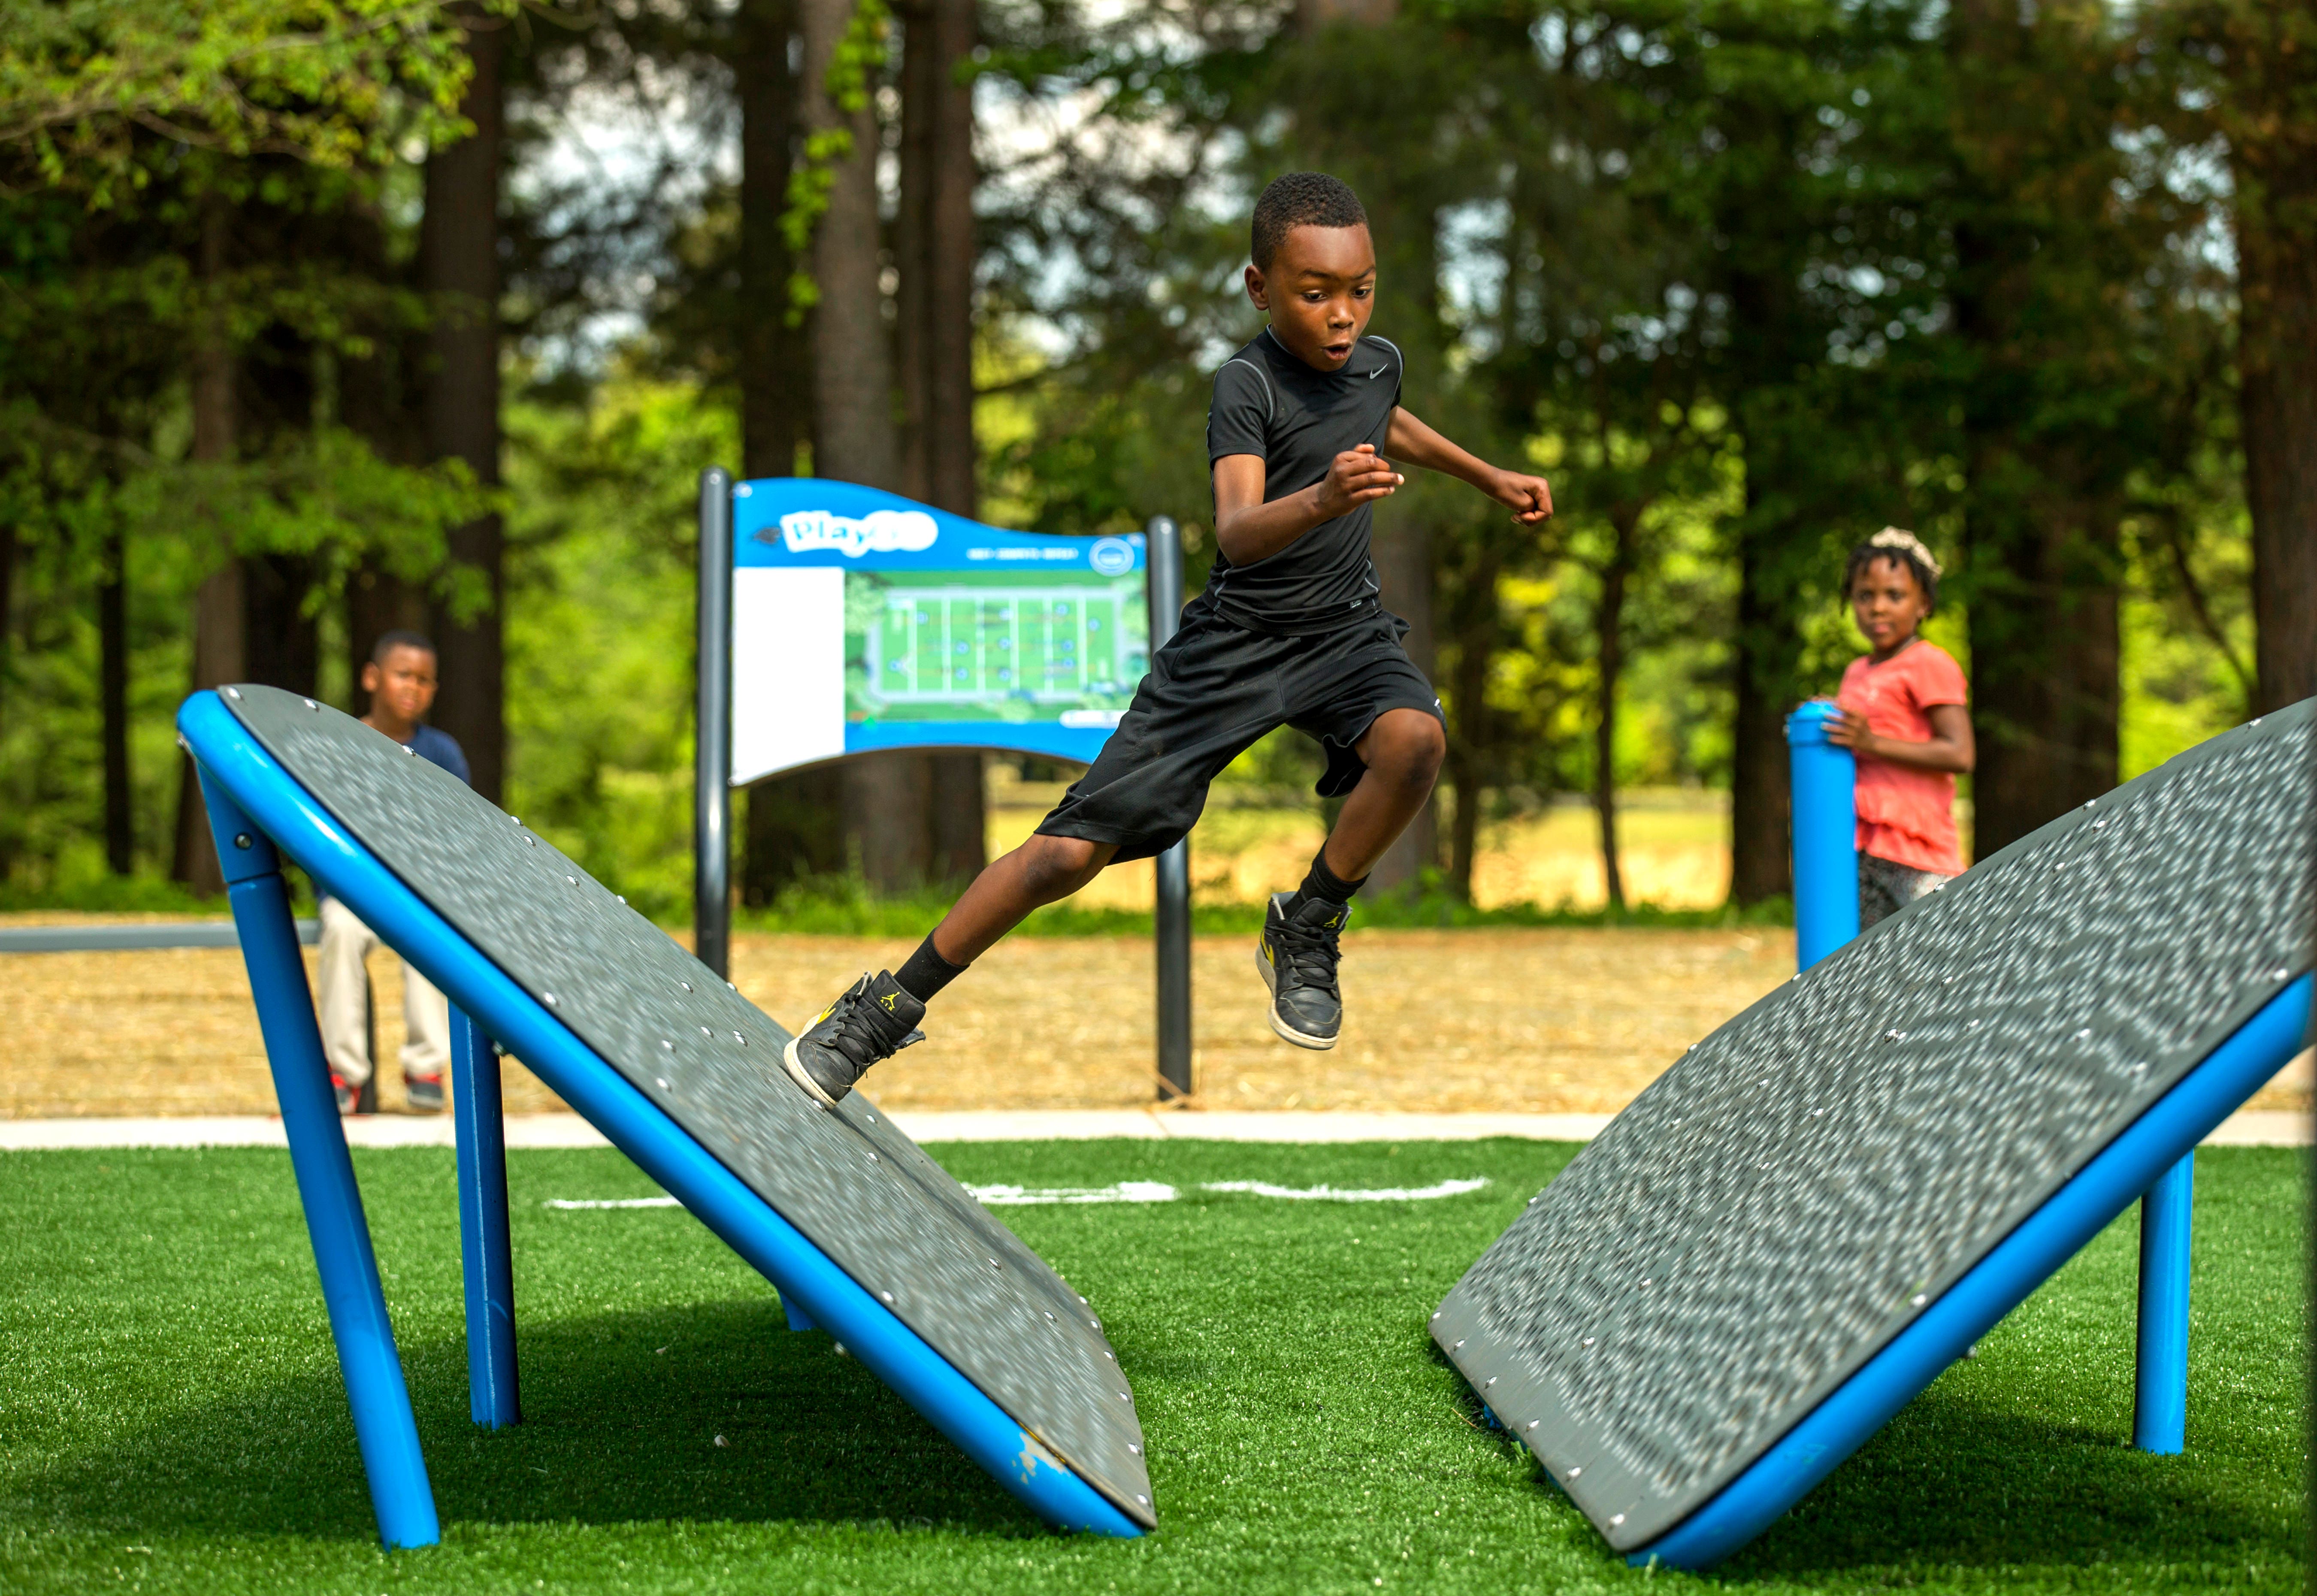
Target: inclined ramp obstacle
(862,1233)
(1824,1203)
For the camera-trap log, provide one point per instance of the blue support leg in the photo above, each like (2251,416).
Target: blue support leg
(384,1429)
(2159,1398)
(795,1312)
(483,1245)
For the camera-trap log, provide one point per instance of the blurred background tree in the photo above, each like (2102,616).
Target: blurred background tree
(323,317)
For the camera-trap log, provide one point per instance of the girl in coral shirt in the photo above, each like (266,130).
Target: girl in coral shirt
(1904,715)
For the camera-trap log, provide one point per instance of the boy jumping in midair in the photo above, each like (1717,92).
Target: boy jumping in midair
(1289,632)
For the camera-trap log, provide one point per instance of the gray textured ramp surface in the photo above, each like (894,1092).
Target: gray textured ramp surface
(1783,1201)
(883,1212)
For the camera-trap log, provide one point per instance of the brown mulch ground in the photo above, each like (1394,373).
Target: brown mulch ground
(1439,1021)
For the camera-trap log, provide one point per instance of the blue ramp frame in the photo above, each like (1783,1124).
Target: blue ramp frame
(256,806)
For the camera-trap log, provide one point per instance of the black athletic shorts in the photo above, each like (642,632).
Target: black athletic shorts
(1211,692)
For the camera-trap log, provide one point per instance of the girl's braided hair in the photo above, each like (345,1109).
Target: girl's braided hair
(1894,543)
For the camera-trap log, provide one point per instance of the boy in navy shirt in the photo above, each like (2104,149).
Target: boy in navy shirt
(400,681)
(1305,424)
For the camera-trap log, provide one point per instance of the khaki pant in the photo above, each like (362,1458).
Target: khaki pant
(342,1006)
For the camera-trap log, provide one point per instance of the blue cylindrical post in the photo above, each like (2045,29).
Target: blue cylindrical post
(1826,835)
(2159,1392)
(384,1428)
(1171,910)
(484,1251)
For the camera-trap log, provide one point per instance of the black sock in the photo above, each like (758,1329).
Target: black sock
(927,973)
(1324,885)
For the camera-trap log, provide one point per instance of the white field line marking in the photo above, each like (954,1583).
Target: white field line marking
(1009,1196)
(1349,1194)
(1015,1197)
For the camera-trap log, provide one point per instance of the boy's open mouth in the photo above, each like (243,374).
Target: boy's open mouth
(1338,351)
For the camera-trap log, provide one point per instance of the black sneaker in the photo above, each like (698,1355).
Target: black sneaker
(872,1021)
(423,1095)
(1298,958)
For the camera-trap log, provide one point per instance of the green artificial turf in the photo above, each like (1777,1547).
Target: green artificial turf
(170,1417)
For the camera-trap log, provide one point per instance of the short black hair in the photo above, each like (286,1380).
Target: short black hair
(1895,543)
(388,642)
(1300,200)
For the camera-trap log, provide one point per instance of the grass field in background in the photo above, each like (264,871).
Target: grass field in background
(171,1417)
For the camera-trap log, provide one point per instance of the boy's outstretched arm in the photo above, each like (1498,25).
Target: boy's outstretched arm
(1247,529)
(1529,498)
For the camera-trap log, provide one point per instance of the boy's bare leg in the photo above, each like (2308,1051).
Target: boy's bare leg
(1297,955)
(1043,870)
(879,1016)
(1402,751)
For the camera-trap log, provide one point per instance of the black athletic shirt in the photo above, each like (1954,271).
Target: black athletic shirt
(1270,404)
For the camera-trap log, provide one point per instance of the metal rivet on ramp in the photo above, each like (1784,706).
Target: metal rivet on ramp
(667,1044)
(1920,1299)
(234,693)
(1530,1425)
(548,998)
(514,820)
(705,1031)
(533,841)
(1133,1449)
(1575,1472)
(886,1298)
(2278,975)
(872,1158)
(573,879)
(311,704)
(1109,1354)
(739,1039)
(410,751)
(1123,1397)
(623,897)
(663,1082)
(1458,1344)
(685,985)
(1140,1497)
(1586,1342)
(241,839)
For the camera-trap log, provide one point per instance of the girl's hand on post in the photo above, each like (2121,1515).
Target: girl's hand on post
(1845,728)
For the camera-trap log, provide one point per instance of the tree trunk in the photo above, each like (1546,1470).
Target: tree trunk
(1474,620)
(282,645)
(1609,632)
(933,252)
(2045,483)
(1769,668)
(218,617)
(460,269)
(1403,552)
(113,695)
(2273,159)
(793,822)
(852,384)
(888,797)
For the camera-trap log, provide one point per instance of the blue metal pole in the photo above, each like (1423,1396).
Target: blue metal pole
(484,1250)
(2159,1395)
(384,1428)
(1826,835)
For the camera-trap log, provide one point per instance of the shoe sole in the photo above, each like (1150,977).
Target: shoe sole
(1287,1033)
(804,1077)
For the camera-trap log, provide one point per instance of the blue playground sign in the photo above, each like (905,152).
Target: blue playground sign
(862,620)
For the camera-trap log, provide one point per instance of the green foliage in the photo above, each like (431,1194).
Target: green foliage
(861,51)
(97,92)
